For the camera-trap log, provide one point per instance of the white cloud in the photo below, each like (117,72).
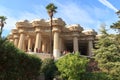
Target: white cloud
(39,12)
(12,19)
(74,14)
(10,22)
(70,12)
(108,4)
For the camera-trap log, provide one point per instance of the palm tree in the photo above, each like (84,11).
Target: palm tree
(118,13)
(51,9)
(2,22)
(116,25)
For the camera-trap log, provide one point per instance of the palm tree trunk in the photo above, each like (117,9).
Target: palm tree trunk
(50,34)
(1,31)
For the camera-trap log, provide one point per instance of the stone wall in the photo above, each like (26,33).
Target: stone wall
(41,55)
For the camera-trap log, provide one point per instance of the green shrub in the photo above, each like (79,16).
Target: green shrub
(49,68)
(95,76)
(71,66)
(15,64)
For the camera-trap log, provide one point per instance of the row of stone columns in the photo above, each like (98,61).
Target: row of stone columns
(57,47)
(76,46)
(39,44)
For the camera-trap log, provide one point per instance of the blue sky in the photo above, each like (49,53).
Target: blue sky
(90,14)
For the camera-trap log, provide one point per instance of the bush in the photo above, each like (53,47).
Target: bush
(71,66)
(15,64)
(49,68)
(95,76)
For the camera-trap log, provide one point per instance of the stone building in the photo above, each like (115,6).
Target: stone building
(35,36)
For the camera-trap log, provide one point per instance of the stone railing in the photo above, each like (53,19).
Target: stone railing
(41,55)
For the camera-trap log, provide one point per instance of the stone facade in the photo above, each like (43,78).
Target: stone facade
(35,36)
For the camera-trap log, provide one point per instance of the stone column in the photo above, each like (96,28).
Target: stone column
(38,41)
(75,43)
(22,41)
(44,46)
(63,45)
(11,40)
(29,43)
(56,51)
(60,44)
(48,46)
(16,40)
(90,47)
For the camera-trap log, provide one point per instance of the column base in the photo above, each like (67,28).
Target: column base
(56,53)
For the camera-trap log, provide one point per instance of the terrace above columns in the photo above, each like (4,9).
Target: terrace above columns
(23,24)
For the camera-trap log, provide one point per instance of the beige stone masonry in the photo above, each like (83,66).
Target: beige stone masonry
(36,35)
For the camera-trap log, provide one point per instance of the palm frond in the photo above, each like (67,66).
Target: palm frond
(51,7)
(3,18)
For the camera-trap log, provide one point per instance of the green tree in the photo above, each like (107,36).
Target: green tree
(49,68)
(72,66)
(2,22)
(51,9)
(108,54)
(116,25)
(118,13)
(16,65)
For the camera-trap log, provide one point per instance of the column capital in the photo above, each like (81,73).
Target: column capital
(10,36)
(75,34)
(56,31)
(16,36)
(37,30)
(29,36)
(21,31)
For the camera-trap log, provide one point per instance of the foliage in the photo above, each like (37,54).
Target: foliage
(48,68)
(71,66)
(108,54)
(2,22)
(95,76)
(3,18)
(116,25)
(15,64)
(51,7)
(118,13)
